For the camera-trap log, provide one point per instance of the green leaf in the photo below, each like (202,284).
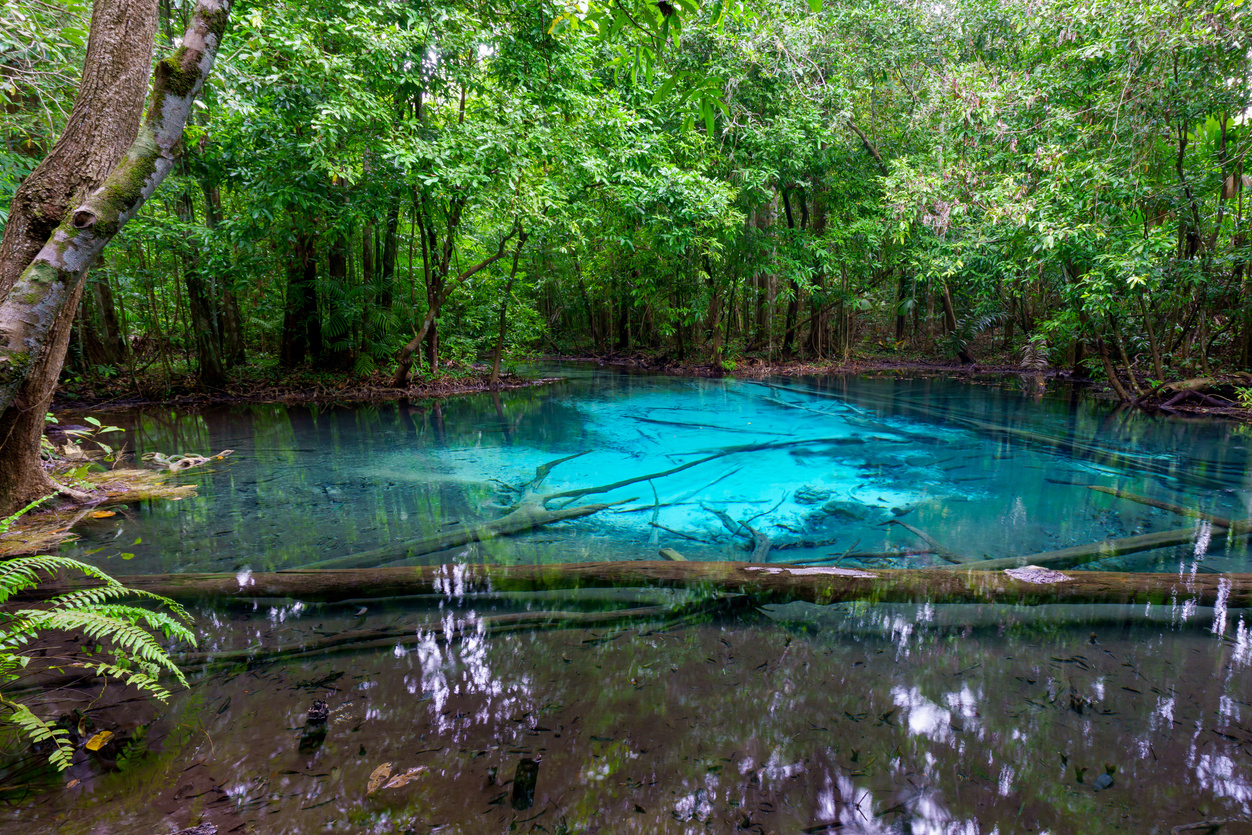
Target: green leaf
(668,87)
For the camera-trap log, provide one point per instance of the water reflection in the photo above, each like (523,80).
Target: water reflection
(846,718)
(865,471)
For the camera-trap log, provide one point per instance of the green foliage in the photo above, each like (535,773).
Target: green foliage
(787,177)
(124,634)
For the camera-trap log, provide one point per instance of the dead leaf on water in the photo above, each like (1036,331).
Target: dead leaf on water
(102,514)
(99,740)
(377,776)
(402,779)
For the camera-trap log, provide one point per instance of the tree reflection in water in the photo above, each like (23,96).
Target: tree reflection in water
(917,719)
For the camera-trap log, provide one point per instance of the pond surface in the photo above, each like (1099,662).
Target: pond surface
(822,467)
(488,713)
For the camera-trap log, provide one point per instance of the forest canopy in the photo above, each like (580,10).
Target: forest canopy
(365,184)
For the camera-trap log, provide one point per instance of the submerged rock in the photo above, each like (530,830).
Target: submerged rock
(849,511)
(811,495)
(524,780)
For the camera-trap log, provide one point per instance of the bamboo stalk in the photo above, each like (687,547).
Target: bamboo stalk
(1172,508)
(764,583)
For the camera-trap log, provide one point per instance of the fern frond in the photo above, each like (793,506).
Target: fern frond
(101,594)
(145,680)
(37,730)
(8,521)
(127,635)
(22,573)
(126,640)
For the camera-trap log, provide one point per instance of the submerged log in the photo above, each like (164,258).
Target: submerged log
(1094,551)
(1172,508)
(451,629)
(764,583)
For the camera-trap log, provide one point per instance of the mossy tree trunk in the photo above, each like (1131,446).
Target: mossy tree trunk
(77,200)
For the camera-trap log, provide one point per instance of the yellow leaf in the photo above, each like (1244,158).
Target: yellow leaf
(400,779)
(377,776)
(99,740)
(102,514)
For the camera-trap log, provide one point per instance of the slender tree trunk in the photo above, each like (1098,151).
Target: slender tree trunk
(204,319)
(113,347)
(404,359)
(302,330)
(387,275)
(41,280)
(504,309)
(230,325)
(339,356)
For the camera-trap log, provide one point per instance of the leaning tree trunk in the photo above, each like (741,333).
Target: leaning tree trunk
(43,285)
(103,123)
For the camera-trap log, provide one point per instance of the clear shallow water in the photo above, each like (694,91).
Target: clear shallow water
(819,466)
(955,720)
(850,718)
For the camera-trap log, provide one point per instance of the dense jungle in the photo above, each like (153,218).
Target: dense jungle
(625,416)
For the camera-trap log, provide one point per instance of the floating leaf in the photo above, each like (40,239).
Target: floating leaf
(99,740)
(402,779)
(102,514)
(377,776)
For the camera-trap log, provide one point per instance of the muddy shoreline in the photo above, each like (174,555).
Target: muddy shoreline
(314,389)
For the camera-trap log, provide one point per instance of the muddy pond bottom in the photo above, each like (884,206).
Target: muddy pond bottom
(495,715)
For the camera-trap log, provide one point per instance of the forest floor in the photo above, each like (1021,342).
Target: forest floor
(996,365)
(267,383)
(272,385)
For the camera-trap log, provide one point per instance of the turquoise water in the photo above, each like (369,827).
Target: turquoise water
(821,467)
(924,719)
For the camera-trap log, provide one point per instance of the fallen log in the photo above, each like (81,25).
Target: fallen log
(525,517)
(451,629)
(777,583)
(1093,551)
(1172,508)
(935,546)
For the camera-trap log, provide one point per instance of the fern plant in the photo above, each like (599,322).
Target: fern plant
(127,648)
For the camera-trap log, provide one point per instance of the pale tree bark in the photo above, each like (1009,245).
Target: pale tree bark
(89,186)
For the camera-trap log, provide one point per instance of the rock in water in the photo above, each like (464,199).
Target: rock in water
(1104,781)
(811,495)
(314,732)
(847,511)
(318,713)
(524,784)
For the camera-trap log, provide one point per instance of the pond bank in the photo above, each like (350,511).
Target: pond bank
(295,388)
(1032,379)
